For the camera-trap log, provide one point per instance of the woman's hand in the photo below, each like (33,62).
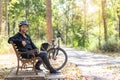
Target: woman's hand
(23,43)
(37,51)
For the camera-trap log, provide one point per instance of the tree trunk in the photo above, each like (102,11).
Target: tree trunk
(66,34)
(37,32)
(6,17)
(0,16)
(99,37)
(104,20)
(119,25)
(85,13)
(85,23)
(49,29)
(118,15)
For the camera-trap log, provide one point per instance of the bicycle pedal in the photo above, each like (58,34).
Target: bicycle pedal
(54,58)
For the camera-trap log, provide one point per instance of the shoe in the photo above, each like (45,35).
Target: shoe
(37,68)
(55,72)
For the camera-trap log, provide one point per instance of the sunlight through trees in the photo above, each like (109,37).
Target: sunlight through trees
(85,24)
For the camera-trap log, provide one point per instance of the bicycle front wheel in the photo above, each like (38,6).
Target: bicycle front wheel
(57,57)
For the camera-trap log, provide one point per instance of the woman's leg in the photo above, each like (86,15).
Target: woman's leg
(37,65)
(44,57)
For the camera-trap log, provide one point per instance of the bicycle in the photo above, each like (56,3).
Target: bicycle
(57,56)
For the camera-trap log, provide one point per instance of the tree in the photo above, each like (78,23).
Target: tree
(6,16)
(118,14)
(49,21)
(0,15)
(104,20)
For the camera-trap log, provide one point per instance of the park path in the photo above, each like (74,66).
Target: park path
(95,66)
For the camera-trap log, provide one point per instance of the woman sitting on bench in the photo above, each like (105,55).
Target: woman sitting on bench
(25,44)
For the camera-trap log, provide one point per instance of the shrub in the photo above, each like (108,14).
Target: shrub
(4,46)
(110,46)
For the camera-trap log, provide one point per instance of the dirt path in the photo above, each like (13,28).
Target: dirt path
(89,65)
(94,66)
(8,62)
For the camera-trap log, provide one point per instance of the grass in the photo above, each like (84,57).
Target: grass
(5,47)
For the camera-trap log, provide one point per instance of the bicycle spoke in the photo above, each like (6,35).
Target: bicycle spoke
(57,58)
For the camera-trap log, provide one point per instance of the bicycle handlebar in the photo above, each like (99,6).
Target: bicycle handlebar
(59,35)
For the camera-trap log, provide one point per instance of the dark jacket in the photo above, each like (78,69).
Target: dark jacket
(18,38)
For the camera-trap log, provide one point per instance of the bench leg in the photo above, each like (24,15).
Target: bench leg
(36,72)
(17,68)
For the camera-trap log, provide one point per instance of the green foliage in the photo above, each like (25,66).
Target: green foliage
(80,23)
(110,46)
(4,46)
(31,10)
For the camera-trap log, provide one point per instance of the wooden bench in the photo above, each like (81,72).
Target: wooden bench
(25,75)
(23,63)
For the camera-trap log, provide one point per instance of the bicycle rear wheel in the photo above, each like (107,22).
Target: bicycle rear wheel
(60,59)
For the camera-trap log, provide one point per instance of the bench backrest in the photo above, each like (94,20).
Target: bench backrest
(15,49)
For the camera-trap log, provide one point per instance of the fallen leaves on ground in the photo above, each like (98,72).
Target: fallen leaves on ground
(9,61)
(72,72)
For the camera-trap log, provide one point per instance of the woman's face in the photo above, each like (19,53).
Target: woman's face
(24,28)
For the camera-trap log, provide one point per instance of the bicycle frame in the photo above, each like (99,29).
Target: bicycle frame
(55,44)
(56,51)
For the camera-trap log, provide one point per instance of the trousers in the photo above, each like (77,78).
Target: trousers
(43,55)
